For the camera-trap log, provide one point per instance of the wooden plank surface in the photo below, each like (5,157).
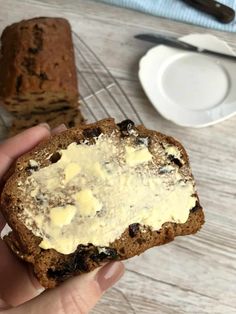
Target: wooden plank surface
(195,274)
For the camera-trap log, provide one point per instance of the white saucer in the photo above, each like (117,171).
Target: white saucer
(190,89)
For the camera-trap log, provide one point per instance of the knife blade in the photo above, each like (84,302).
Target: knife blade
(176,43)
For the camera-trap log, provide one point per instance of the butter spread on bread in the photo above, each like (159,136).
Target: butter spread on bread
(93,192)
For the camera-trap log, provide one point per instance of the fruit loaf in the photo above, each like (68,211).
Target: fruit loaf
(38,72)
(69,117)
(96,193)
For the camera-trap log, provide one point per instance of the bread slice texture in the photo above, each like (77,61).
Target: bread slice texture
(52,266)
(70,117)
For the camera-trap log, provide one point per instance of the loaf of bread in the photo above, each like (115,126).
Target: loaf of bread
(37,66)
(70,117)
(38,80)
(97,193)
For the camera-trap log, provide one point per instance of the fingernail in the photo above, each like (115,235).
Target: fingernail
(108,275)
(39,291)
(44,125)
(60,128)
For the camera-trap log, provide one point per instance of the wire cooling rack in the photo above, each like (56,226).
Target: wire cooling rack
(101,95)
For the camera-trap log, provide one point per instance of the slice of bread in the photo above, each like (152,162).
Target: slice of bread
(70,117)
(96,193)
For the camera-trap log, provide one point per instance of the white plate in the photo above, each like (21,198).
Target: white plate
(190,89)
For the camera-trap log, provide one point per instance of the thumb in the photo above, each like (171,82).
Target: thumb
(76,295)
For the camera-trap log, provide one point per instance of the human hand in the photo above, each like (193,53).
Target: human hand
(20,292)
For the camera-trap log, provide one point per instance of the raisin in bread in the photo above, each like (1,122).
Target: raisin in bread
(97,193)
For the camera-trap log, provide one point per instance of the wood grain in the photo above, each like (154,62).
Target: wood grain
(195,274)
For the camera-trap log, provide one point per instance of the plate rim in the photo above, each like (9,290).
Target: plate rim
(143,62)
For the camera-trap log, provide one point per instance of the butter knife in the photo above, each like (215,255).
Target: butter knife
(176,43)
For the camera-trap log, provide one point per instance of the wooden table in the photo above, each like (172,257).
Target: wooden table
(194,274)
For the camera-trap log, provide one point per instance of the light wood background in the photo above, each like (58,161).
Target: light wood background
(194,274)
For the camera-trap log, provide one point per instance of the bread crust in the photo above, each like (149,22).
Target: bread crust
(52,267)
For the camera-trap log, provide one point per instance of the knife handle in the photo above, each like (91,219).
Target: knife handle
(221,12)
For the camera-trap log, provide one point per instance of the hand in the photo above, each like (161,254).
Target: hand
(20,292)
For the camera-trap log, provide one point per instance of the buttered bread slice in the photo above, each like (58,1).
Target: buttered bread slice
(96,193)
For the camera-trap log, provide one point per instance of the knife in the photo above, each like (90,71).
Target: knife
(176,43)
(221,12)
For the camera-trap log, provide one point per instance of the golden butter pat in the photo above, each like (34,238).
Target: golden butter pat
(136,156)
(61,216)
(99,190)
(172,150)
(87,203)
(71,170)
